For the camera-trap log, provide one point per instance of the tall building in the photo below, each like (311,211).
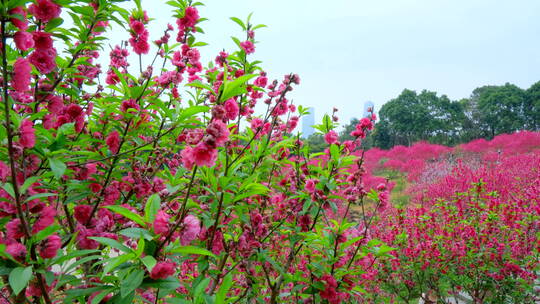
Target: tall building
(307,123)
(367,106)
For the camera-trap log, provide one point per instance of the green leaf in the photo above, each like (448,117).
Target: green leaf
(149,261)
(327,122)
(45,233)
(74,293)
(174,3)
(199,44)
(9,189)
(4,254)
(235,87)
(191,250)
(373,243)
(221,295)
(53,23)
(100,296)
(131,282)
(81,261)
(111,243)
(127,213)
(4,270)
(140,247)
(59,260)
(123,81)
(136,233)
(251,190)
(169,283)
(152,207)
(150,247)
(352,241)
(129,299)
(191,111)
(239,22)
(39,195)
(136,92)
(58,167)
(87,11)
(19,277)
(272,262)
(334,152)
(199,289)
(115,262)
(178,301)
(200,85)
(14,3)
(373,195)
(383,250)
(314,288)
(27,183)
(259,26)
(76,196)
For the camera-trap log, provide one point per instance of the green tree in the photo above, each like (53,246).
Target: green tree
(316,143)
(412,117)
(501,109)
(402,115)
(490,110)
(470,126)
(382,135)
(532,108)
(444,121)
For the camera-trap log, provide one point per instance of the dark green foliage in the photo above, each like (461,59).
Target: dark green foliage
(490,110)
(316,143)
(532,107)
(501,109)
(413,117)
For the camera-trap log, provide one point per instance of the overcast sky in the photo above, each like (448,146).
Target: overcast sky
(350,51)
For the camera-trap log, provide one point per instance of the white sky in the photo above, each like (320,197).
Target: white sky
(350,51)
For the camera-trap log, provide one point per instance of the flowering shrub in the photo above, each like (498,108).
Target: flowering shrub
(158,184)
(424,163)
(471,226)
(480,241)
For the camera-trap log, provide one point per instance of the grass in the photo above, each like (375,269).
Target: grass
(398,197)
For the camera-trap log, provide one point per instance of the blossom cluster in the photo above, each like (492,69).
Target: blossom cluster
(160,183)
(471,225)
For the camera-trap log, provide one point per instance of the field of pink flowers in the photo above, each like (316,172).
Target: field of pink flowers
(471,225)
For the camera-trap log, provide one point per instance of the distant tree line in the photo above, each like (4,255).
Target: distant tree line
(412,116)
(489,111)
